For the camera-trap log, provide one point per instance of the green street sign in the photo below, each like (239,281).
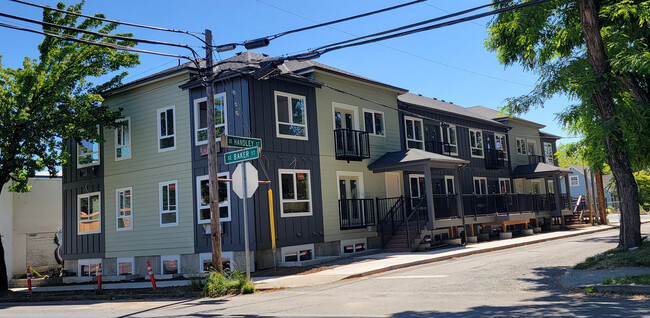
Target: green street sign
(242,155)
(240,142)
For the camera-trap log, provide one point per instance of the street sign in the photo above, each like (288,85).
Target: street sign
(242,155)
(240,142)
(251,180)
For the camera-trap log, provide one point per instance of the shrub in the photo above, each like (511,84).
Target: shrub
(215,284)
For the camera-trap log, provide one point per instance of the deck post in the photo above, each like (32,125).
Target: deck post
(459,205)
(428,186)
(558,193)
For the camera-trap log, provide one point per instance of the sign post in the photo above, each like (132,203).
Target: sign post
(245,189)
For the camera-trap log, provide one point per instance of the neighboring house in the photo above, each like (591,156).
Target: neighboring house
(30,223)
(577,183)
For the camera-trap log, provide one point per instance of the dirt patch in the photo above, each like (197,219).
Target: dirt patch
(183,292)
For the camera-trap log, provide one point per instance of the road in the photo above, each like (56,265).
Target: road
(518,282)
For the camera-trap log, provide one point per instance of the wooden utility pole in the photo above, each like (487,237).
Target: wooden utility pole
(588,195)
(213,166)
(600,191)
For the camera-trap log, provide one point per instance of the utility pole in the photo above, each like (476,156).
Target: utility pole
(213,166)
(601,197)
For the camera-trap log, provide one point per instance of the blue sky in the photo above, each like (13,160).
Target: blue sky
(449,63)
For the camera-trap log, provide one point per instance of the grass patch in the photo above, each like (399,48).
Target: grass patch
(628,280)
(215,284)
(590,290)
(618,257)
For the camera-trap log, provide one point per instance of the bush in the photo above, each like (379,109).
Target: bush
(215,284)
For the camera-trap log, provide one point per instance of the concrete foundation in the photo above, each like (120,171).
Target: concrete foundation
(537,230)
(455,241)
(527,232)
(555,227)
(483,237)
(472,239)
(505,235)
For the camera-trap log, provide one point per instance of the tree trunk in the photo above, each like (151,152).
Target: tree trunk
(4,282)
(601,197)
(630,231)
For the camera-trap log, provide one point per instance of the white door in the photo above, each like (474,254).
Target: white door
(351,208)
(393,188)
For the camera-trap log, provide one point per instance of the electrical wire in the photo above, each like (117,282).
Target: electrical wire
(111,21)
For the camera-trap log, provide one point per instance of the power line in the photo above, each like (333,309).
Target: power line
(111,21)
(445,11)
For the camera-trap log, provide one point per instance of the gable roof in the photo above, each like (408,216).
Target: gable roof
(448,107)
(398,160)
(539,169)
(500,116)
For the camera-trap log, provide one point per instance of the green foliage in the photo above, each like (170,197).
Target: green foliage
(216,284)
(619,257)
(548,40)
(590,290)
(643,180)
(628,280)
(52,99)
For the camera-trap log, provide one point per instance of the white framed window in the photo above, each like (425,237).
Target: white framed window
(295,187)
(170,264)
(574,181)
(168,203)
(452,139)
(548,153)
(88,267)
(536,186)
(125,266)
(353,246)
(480,185)
(531,146)
(551,187)
(201,118)
(500,144)
(521,146)
(417,185)
(203,198)
(504,186)
(123,139)
(166,118)
(205,261)
(476,143)
(290,116)
(414,132)
(124,210)
(88,153)
(450,185)
(373,122)
(297,253)
(89,212)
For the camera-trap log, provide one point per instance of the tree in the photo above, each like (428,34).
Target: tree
(643,180)
(51,99)
(597,55)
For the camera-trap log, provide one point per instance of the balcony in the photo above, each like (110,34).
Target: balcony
(356,213)
(495,159)
(439,147)
(532,159)
(351,145)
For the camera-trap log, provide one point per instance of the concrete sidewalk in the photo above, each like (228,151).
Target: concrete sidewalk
(377,263)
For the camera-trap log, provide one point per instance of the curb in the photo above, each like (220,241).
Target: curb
(622,289)
(468,253)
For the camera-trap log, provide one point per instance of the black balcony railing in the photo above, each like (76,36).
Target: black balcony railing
(564,201)
(439,147)
(356,213)
(536,159)
(351,145)
(495,159)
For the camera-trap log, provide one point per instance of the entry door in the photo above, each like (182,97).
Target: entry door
(418,188)
(350,207)
(536,186)
(344,119)
(392,185)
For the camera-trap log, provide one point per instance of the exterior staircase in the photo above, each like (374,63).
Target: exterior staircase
(399,241)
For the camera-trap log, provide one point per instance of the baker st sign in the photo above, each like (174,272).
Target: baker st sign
(242,155)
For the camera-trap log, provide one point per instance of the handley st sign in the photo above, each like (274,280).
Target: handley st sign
(240,142)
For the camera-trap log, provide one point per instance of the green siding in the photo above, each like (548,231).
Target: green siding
(146,168)
(374,183)
(521,130)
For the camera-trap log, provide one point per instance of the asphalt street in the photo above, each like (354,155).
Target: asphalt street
(517,282)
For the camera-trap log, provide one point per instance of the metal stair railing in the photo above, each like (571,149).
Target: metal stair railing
(391,221)
(415,213)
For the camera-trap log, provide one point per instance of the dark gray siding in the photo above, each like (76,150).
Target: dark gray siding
(75,182)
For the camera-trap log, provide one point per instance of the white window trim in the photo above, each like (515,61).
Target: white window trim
(277,122)
(99,154)
(353,109)
(224,255)
(383,119)
(297,249)
(474,184)
(453,182)
(198,198)
(160,110)
(535,147)
(197,119)
(478,148)
(414,119)
(551,187)
(416,176)
(160,202)
(524,145)
(354,243)
(124,260)
(127,119)
(455,153)
(509,185)
(357,174)
(87,261)
(544,151)
(79,196)
(294,172)
(117,209)
(577,179)
(176,258)
(504,145)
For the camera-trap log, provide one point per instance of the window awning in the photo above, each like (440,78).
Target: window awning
(413,159)
(537,170)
